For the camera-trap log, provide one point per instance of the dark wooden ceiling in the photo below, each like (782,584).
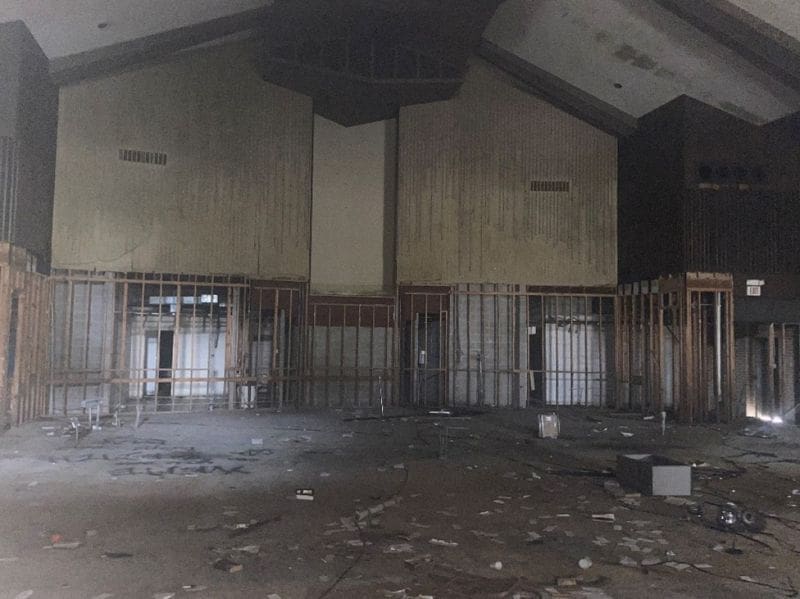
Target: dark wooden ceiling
(360,60)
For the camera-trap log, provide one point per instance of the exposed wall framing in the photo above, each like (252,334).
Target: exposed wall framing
(496,345)
(768,369)
(423,332)
(272,353)
(351,351)
(675,347)
(181,343)
(158,341)
(24,337)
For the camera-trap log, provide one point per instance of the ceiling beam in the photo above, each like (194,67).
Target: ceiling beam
(558,92)
(117,57)
(758,42)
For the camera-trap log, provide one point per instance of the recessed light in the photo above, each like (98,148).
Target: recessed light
(102,25)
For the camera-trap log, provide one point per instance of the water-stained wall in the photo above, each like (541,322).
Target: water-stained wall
(218,180)
(496,185)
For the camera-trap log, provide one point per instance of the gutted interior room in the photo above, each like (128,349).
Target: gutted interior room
(409,298)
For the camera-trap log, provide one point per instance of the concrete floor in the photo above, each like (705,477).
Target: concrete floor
(154,509)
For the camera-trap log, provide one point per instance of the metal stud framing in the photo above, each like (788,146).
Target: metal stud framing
(351,356)
(505,345)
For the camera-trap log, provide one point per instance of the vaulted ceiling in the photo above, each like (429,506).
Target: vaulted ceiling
(64,27)
(610,61)
(638,54)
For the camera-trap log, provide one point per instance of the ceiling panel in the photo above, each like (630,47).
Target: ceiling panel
(65,27)
(636,56)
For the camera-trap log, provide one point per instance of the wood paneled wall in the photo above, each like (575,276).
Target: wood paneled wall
(234,195)
(466,211)
(702,190)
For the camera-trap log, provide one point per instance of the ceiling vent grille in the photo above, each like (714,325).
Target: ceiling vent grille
(550,186)
(142,157)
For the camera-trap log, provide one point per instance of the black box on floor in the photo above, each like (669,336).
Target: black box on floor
(654,474)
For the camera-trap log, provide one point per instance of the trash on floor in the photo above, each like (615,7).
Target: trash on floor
(654,475)
(443,543)
(549,426)
(64,545)
(399,548)
(227,565)
(604,517)
(304,494)
(728,517)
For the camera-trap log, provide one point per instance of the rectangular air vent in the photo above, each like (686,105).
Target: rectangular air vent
(559,186)
(156,158)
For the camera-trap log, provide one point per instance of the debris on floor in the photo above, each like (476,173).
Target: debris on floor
(227,565)
(443,543)
(502,498)
(64,545)
(193,588)
(304,494)
(654,475)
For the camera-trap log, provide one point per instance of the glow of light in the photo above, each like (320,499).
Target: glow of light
(772,419)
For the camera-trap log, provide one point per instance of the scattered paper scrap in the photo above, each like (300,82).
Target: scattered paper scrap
(443,543)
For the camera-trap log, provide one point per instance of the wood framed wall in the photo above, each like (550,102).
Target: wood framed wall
(24,337)
(675,347)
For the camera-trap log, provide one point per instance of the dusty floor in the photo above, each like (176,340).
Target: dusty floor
(491,512)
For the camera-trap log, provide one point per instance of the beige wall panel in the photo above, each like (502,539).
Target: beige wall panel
(353,207)
(466,212)
(234,196)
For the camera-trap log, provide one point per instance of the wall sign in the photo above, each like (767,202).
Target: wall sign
(754,287)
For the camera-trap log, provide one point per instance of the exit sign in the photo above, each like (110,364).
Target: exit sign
(754,290)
